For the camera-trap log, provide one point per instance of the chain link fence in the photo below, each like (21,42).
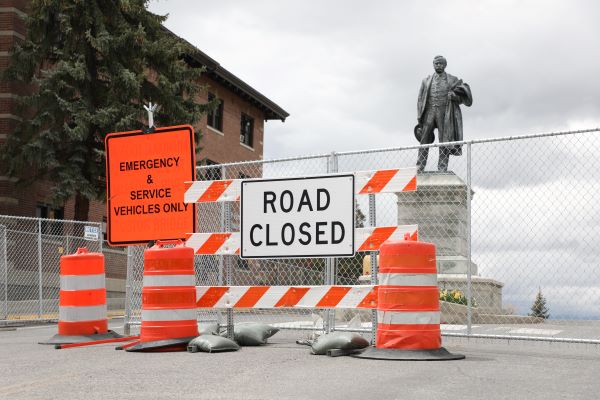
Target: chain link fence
(513,219)
(30,251)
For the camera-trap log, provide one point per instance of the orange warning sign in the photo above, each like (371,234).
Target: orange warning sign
(145,175)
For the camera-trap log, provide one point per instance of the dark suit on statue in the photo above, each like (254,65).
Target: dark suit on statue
(436,110)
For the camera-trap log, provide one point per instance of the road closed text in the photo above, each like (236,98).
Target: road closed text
(298,217)
(319,232)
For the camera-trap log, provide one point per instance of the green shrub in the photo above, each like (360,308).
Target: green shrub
(455,296)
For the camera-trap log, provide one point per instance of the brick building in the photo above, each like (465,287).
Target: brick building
(235,132)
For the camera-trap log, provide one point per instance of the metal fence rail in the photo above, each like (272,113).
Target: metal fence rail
(30,250)
(515,216)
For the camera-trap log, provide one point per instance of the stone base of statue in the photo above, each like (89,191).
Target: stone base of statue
(486,292)
(439,207)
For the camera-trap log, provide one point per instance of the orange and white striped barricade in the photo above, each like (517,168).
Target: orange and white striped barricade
(366,239)
(82,315)
(366,182)
(408,308)
(371,239)
(168,298)
(386,181)
(327,296)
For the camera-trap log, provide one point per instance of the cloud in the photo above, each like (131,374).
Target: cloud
(535,161)
(544,235)
(349,72)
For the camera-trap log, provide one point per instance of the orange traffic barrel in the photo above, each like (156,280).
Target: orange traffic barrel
(408,309)
(82,315)
(169,310)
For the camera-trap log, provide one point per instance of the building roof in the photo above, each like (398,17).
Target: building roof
(221,75)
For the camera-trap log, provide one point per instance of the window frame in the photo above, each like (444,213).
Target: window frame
(247,138)
(214,119)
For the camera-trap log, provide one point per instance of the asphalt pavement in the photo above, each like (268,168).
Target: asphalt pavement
(493,369)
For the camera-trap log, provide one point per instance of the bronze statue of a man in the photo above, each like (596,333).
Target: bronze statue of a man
(438,107)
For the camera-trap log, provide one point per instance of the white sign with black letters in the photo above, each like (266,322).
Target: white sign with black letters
(298,217)
(91,232)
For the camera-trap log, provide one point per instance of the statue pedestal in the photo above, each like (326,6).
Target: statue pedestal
(439,208)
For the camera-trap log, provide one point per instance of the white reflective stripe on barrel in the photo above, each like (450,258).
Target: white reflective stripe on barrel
(178,314)
(78,314)
(408,279)
(420,317)
(169,280)
(82,282)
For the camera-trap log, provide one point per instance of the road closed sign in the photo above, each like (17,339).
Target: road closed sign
(298,217)
(145,175)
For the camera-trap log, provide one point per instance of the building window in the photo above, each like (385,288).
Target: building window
(247,130)
(47,212)
(215,118)
(210,173)
(41,211)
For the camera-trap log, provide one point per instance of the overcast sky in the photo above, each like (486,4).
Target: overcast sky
(349,71)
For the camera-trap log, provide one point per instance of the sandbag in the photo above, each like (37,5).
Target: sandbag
(208,329)
(211,344)
(338,341)
(253,334)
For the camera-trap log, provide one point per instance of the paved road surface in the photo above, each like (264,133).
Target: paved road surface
(284,370)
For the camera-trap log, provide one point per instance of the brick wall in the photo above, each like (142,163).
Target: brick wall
(13,201)
(220,147)
(225,146)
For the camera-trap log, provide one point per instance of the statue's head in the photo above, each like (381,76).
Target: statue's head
(439,64)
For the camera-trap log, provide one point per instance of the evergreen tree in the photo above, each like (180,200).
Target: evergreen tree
(539,309)
(359,217)
(93,64)
(354,265)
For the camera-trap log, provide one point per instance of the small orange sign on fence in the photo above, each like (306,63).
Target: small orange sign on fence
(145,175)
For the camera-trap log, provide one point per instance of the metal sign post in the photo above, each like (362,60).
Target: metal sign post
(150,108)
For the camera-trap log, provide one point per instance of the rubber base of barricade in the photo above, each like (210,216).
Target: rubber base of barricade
(440,354)
(68,339)
(179,344)
(341,353)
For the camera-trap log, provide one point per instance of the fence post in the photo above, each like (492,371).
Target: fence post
(227,260)
(330,262)
(374,265)
(39,245)
(100,238)
(4,259)
(221,275)
(128,277)
(469,289)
